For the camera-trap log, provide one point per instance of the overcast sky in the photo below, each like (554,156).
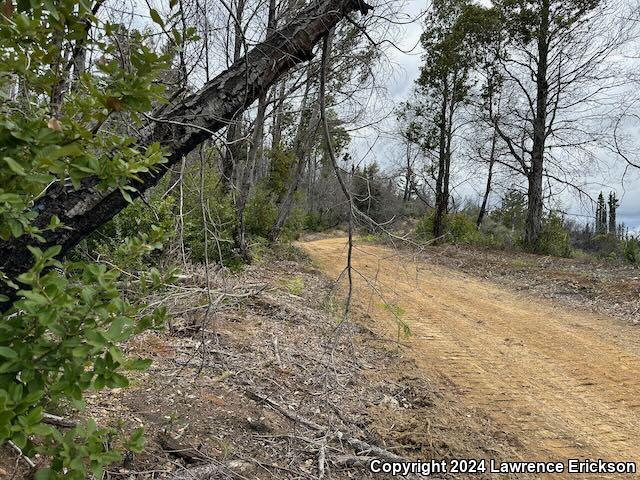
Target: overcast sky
(607,176)
(398,74)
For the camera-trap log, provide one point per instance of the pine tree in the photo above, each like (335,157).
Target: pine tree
(601,216)
(613,205)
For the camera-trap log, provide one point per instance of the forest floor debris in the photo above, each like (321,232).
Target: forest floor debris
(278,335)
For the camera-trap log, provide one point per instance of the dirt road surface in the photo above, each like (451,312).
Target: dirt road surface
(565,383)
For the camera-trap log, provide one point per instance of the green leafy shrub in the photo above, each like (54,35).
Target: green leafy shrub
(496,234)
(218,221)
(140,218)
(294,225)
(631,250)
(280,166)
(554,237)
(606,245)
(424,227)
(60,337)
(315,222)
(458,227)
(462,229)
(261,212)
(295,285)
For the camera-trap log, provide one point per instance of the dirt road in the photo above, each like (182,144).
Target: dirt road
(565,383)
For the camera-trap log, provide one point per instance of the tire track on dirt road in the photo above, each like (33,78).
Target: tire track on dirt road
(565,383)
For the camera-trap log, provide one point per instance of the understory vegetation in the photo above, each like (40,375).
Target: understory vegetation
(143,140)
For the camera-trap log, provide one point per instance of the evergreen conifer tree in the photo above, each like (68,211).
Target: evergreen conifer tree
(613,205)
(601,216)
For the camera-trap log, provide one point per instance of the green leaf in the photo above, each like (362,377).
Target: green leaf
(44,474)
(155,16)
(177,36)
(20,439)
(116,329)
(8,352)
(135,442)
(14,166)
(16,228)
(53,251)
(34,416)
(118,381)
(126,195)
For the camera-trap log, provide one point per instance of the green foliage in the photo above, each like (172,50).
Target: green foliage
(59,340)
(512,211)
(403,329)
(395,310)
(315,222)
(152,221)
(521,18)
(424,227)
(60,337)
(294,224)
(496,235)
(459,228)
(371,238)
(554,237)
(281,163)
(601,224)
(218,220)
(605,245)
(631,250)
(39,145)
(456,34)
(295,285)
(261,211)
(462,229)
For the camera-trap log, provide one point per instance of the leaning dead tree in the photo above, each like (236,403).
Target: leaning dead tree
(180,129)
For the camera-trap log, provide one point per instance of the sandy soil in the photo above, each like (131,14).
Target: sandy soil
(564,382)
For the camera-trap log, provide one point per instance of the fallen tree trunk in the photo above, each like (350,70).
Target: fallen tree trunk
(182,128)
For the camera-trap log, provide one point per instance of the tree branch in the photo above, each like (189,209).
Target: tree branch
(84,209)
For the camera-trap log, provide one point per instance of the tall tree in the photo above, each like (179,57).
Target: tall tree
(452,32)
(489,42)
(305,135)
(245,174)
(555,67)
(613,206)
(601,216)
(235,151)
